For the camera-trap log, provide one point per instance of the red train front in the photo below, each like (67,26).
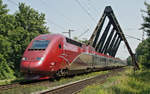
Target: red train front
(41,59)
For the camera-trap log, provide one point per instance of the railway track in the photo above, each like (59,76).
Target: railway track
(75,87)
(22,84)
(63,89)
(9,86)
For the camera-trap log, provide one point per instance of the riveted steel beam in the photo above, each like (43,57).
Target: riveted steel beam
(111,44)
(116,48)
(115,44)
(103,38)
(104,50)
(97,29)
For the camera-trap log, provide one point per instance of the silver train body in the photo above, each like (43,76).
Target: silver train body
(92,62)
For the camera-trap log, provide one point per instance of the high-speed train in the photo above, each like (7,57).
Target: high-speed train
(51,55)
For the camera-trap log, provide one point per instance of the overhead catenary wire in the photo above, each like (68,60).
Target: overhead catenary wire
(61,14)
(52,22)
(57,25)
(129,36)
(84,9)
(67,19)
(60,27)
(93,7)
(89,8)
(83,33)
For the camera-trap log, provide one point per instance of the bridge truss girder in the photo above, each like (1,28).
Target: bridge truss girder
(109,43)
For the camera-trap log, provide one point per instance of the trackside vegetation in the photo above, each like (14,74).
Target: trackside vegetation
(143,49)
(126,82)
(16,31)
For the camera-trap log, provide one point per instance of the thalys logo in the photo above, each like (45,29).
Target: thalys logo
(70,48)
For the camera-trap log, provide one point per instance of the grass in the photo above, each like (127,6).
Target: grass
(126,82)
(35,88)
(23,90)
(10,81)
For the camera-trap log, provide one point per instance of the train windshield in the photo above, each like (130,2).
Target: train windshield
(39,45)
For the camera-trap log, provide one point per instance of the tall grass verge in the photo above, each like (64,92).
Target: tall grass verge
(126,82)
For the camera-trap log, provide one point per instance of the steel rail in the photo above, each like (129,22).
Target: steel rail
(77,86)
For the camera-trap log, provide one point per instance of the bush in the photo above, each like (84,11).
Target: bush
(5,71)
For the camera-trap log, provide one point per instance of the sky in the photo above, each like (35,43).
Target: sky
(82,16)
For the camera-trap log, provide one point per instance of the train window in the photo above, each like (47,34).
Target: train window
(103,60)
(59,46)
(110,60)
(39,44)
(74,42)
(117,61)
(98,61)
(113,61)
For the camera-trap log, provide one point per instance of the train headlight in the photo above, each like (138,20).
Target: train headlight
(24,58)
(53,63)
(40,58)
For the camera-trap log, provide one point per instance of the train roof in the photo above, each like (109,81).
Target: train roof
(47,36)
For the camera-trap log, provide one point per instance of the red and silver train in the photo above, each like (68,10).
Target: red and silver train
(52,55)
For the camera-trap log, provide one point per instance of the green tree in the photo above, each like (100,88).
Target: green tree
(30,19)
(16,32)
(3,8)
(129,60)
(82,41)
(6,24)
(146,18)
(5,71)
(29,24)
(143,53)
(143,49)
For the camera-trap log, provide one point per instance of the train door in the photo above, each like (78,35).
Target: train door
(64,51)
(60,47)
(62,62)
(106,62)
(93,61)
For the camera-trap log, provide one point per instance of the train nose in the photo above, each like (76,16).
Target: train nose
(24,67)
(31,67)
